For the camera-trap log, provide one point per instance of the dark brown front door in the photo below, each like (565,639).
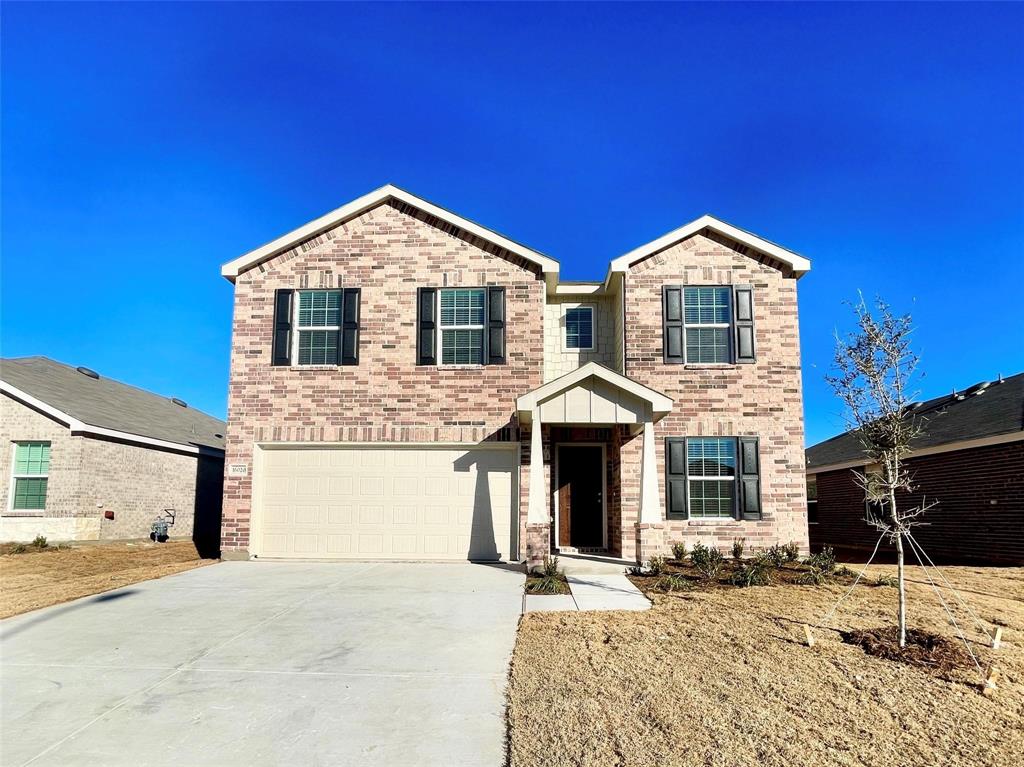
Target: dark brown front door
(580,485)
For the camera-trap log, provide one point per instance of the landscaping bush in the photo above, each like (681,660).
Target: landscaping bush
(813,577)
(657,565)
(775,556)
(674,582)
(545,584)
(19,548)
(886,580)
(739,545)
(824,560)
(756,572)
(549,568)
(40,542)
(679,551)
(791,551)
(708,561)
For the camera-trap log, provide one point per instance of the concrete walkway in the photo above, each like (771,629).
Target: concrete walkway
(267,663)
(590,592)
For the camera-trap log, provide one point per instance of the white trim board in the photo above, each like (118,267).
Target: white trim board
(80,428)
(949,447)
(525,404)
(362,204)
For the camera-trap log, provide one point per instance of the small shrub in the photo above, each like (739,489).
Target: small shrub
(886,580)
(19,548)
(739,545)
(674,582)
(824,560)
(775,556)
(657,565)
(708,561)
(679,551)
(545,584)
(40,542)
(635,570)
(549,569)
(844,571)
(756,572)
(813,577)
(791,551)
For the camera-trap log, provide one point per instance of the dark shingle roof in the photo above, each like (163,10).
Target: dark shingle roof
(980,411)
(110,404)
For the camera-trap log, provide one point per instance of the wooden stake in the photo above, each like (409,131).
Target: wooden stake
(997,636)
(990,682)
(808,635)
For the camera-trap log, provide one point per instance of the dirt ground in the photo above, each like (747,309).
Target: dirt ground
(37,579)
(724,677)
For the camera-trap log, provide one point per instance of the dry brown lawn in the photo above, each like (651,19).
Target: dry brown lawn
(723,677)
(37,579)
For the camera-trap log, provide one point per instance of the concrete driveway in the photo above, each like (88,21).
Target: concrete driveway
(246,663)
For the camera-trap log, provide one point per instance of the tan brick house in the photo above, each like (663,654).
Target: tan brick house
(408,384)
(85,457)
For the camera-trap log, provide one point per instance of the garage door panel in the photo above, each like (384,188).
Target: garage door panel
(403,503)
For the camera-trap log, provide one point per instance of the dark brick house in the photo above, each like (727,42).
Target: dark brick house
(969,458)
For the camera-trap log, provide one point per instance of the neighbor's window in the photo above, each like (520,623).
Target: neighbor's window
(31,470)
(319,320)
(462,326)
(812,500)
(707,315)
(579,328)
(711,477)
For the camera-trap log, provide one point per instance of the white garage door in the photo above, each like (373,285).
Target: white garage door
(385,503)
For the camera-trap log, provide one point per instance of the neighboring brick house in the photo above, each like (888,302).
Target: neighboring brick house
(89,458)
(969,458)
(408,384)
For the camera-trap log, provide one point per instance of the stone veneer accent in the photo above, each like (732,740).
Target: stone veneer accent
(89,476)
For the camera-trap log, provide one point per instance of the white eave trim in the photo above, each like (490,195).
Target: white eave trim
(78,427)
(526,403)
(360,205)
(949,447)
(796,262)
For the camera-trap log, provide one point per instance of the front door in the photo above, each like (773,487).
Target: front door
(580,495)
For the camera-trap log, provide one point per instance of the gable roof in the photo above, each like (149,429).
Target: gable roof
(794,261)
(105,407)
(362,204)
(660,403)
(992,411)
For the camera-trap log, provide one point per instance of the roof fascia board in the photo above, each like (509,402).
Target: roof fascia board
(949,447)
(660,403)
(360,205)
(798,263)
(78,427)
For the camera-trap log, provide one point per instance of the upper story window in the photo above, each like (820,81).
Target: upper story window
(462,325)
(316,327)
(707,314)
(31,476)
(318,323)
(579,328)
(708,324)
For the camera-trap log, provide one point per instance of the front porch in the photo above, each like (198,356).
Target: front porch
(594,491)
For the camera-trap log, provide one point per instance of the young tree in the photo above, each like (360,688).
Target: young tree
(874,370)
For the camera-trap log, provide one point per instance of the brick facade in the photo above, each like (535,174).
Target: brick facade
(391,250)
(979,519)
(762,399)
(89,476)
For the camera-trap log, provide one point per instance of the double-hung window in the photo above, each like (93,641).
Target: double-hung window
(318,322)
(711,477)
(579,328)
(461,328)
(31,470)
(707,316)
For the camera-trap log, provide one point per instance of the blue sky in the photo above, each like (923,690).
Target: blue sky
(144,145)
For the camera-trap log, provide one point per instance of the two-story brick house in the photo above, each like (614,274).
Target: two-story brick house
(408,384)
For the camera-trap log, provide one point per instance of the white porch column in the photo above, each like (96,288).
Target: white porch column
(651,511)
(537,512)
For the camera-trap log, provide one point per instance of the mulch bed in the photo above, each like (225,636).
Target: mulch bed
(923,649)
(789,574)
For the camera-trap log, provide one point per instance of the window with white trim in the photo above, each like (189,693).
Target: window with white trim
(30,476)
(461,328)
(579,328)
(318,322)
(707,323)
(711,477)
